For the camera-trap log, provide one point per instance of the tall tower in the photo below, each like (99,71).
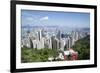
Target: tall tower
(59,34)
(69,44)
(39,34)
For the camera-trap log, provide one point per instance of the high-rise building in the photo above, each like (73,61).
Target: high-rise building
(34,43)
(55,43)
(48,43)
(39,34)
(68,42)
(62,44)
(74,36)
(59,34)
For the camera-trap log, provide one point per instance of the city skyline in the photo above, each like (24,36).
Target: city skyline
(52,18)
(54,36)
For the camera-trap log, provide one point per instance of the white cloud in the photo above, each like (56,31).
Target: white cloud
(44,18)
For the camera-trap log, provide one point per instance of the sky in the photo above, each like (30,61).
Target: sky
(53,18)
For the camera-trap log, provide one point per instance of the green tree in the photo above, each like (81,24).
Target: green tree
(82,46)
(37,55)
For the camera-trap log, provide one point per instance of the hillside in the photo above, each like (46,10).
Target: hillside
(82,46)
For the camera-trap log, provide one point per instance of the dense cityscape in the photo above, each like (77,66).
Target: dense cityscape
(48,36)
(54,39)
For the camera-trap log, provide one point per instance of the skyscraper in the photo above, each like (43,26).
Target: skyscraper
(62,44)
(59,34)
(55,43)
(39,34)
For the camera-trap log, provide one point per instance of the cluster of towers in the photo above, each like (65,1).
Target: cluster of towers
(39,39)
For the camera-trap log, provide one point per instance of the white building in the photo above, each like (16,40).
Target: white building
(62,44)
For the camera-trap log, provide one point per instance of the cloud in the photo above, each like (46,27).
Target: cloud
(30,19)
(44,18)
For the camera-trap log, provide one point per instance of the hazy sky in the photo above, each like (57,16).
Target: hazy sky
(52,18)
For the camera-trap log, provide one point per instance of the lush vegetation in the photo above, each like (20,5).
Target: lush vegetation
(37,55)
(82,46)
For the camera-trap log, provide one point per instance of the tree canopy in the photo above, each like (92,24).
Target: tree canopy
(82,46)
